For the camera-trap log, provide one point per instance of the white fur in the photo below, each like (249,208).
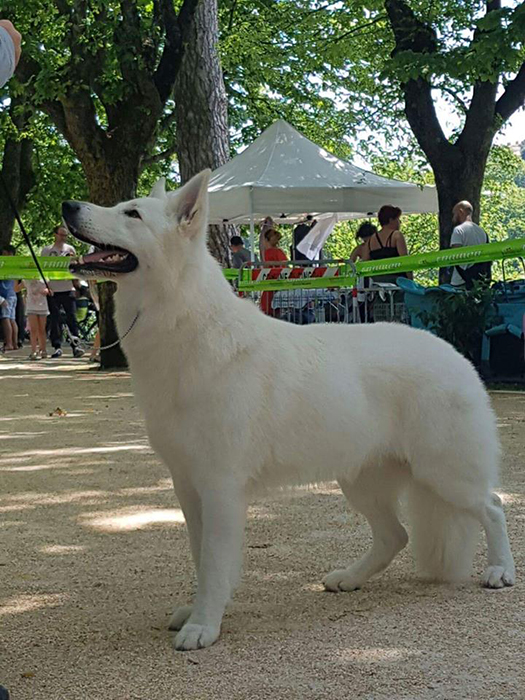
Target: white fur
(235,401)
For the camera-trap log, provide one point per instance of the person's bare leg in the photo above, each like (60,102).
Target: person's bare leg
(33,330)
(7,333)
(14,335)
(41,320)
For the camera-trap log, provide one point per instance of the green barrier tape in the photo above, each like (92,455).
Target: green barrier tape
(53,267)
(488,252)
(13,267)
(19,267)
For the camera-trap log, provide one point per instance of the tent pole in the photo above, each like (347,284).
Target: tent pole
(252,228)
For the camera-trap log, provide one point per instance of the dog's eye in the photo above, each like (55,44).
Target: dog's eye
(133,213)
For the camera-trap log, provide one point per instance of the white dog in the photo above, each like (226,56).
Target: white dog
(235,400)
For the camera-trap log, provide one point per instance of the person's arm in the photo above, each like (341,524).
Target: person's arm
(10,42)
(401,246)
(456,239)
(356,253)
(365,250)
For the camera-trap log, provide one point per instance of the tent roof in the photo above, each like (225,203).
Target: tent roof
(283,173)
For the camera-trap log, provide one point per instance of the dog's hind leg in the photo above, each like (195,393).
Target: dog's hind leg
(445,516)
(500,571)
(374,494)
(223,520)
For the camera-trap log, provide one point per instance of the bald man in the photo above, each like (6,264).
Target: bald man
(465,233)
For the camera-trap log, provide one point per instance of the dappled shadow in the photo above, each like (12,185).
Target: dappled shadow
(95,556)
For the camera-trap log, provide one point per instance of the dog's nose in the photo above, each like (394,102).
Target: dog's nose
(70,208)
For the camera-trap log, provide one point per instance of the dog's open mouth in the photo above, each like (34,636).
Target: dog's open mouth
(108,260)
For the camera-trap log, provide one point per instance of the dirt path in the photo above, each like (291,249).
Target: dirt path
(94,556)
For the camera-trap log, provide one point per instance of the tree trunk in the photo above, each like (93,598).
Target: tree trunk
(112,357)
(202,112)
(112,150)
(110,183)
(453,186)
(458,167)
(17,172)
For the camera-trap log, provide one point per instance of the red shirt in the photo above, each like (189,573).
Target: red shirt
(271,255)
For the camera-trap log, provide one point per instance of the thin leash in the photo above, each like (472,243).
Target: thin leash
(22,228)
(74,342)
(121,338)
(71,339)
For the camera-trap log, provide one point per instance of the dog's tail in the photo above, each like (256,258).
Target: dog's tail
(444,537)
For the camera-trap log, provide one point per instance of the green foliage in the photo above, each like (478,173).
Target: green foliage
(328,67)
(315,64)
(58,176)
(461,319)
(503,199)
(502,209)
(325,67)
(465,44)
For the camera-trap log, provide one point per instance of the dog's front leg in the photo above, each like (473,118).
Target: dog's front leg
(191,505)
(223,520)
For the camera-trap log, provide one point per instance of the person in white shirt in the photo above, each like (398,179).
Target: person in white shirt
(62,297)
(466,233)
(10,41)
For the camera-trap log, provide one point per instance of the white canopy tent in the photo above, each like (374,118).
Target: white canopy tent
(284,175)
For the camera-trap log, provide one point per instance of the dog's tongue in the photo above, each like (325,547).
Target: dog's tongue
(99,255)
(96,256)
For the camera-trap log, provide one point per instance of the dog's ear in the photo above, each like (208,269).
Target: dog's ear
(189,204)
(158,191)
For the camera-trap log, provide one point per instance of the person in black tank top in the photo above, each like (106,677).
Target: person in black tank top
(387,243)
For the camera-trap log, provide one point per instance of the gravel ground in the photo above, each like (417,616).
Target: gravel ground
(94,556)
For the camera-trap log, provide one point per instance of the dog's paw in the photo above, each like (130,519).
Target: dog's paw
(196,637)
(179,617)
(498,577)
(341,580)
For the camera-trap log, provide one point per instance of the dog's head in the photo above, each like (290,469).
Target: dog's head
(167,228)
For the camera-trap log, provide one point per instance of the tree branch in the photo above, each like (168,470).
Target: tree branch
(177,29)
(512,99)
(232,15)
(160,157)
(460,102)
(412,35)
(477,133)
(356,30)
(127,40)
